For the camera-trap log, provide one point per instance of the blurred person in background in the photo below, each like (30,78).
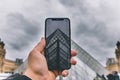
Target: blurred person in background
(116,76)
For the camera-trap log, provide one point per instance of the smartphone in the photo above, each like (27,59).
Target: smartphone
(58,43)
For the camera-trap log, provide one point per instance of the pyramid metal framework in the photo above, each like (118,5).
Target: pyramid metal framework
(87,66)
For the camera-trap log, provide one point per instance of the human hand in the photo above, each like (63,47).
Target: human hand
(38,64)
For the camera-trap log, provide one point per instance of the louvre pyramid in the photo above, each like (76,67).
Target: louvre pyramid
(57,50)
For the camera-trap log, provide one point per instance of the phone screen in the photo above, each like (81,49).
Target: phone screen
(58,43)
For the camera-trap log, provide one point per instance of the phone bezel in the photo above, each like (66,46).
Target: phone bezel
(59,19)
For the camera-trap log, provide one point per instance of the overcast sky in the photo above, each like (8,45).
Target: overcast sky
(95,24)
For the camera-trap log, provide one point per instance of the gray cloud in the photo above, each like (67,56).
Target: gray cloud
(70,3)
(92,31)
(23,29)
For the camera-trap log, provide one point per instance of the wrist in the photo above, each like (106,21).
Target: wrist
(52,75)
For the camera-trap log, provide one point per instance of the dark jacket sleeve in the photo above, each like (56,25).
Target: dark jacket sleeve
(13,77)
(18,77)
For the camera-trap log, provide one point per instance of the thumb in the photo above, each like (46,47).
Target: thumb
(41,45)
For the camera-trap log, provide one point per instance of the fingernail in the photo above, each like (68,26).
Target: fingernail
(65,74)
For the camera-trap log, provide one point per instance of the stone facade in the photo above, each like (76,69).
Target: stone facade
(113,64)
(6,66)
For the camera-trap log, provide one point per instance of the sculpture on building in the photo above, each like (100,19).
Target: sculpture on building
(117,52)
(2,54)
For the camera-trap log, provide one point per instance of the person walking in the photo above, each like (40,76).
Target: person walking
(103,77)
(110,77)
(116,76)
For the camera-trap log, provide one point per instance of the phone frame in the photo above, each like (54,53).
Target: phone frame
(69,33)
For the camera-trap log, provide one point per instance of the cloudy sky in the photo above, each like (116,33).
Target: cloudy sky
(95,24)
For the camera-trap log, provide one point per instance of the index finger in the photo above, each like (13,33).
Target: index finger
(73,53)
